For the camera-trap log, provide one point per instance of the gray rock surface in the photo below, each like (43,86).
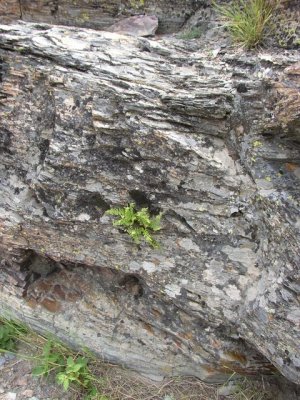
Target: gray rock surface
(98,14)
(92,120)
(139,25)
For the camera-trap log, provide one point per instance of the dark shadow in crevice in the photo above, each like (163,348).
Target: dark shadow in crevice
(142,201)
(44,148)
(132,284)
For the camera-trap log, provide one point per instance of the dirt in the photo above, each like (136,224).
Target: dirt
(18,383)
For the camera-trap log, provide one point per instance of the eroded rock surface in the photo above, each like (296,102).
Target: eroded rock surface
(100,14)
(91,120)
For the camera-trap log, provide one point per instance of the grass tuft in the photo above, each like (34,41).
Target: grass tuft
(193,33)
(247,20)
(10,333)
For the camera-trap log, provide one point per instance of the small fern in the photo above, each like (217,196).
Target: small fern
(137,223)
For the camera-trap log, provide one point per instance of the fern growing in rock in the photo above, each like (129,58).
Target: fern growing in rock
(137,223)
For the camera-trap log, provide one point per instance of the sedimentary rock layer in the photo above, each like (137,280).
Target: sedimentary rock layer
(99,14)
(91,120)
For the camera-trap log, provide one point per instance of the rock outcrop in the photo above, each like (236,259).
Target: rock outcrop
(91,120)
(99,14)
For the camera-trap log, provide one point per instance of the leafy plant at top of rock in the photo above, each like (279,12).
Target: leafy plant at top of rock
(137,223)
(247,20)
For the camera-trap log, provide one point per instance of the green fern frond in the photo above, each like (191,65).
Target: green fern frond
(138,224)
(155,222)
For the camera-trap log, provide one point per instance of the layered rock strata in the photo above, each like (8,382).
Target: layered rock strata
(91,120)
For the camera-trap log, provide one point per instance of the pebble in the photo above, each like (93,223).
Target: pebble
(10,356)
(6,357)
(227,390)
(22,381)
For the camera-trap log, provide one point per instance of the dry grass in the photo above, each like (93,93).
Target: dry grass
(121,384)
(116,383)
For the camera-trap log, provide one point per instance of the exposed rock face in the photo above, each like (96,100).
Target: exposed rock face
(99,14)
(91,120)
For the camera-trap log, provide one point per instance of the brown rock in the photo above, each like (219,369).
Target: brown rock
(139,25)
(51,305)
(21,381)
(9,10)
(293,69)
(27,393)
(57,290)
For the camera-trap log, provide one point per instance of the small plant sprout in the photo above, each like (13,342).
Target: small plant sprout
(69,368)
(75,371)
(137,223)
(50,360)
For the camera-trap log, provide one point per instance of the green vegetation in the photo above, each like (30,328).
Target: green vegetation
(137,223)
(10,332)
(75,370)
(247,20)
(52,357)
(137,3)
(257,143)
(287,36)
(87,378)
(193,33)
(69,368)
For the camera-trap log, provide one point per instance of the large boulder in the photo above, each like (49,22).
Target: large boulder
(95,120)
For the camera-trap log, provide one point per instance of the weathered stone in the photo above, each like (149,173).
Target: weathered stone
(9,11)
(139,25)
(100,14)
(91,120)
